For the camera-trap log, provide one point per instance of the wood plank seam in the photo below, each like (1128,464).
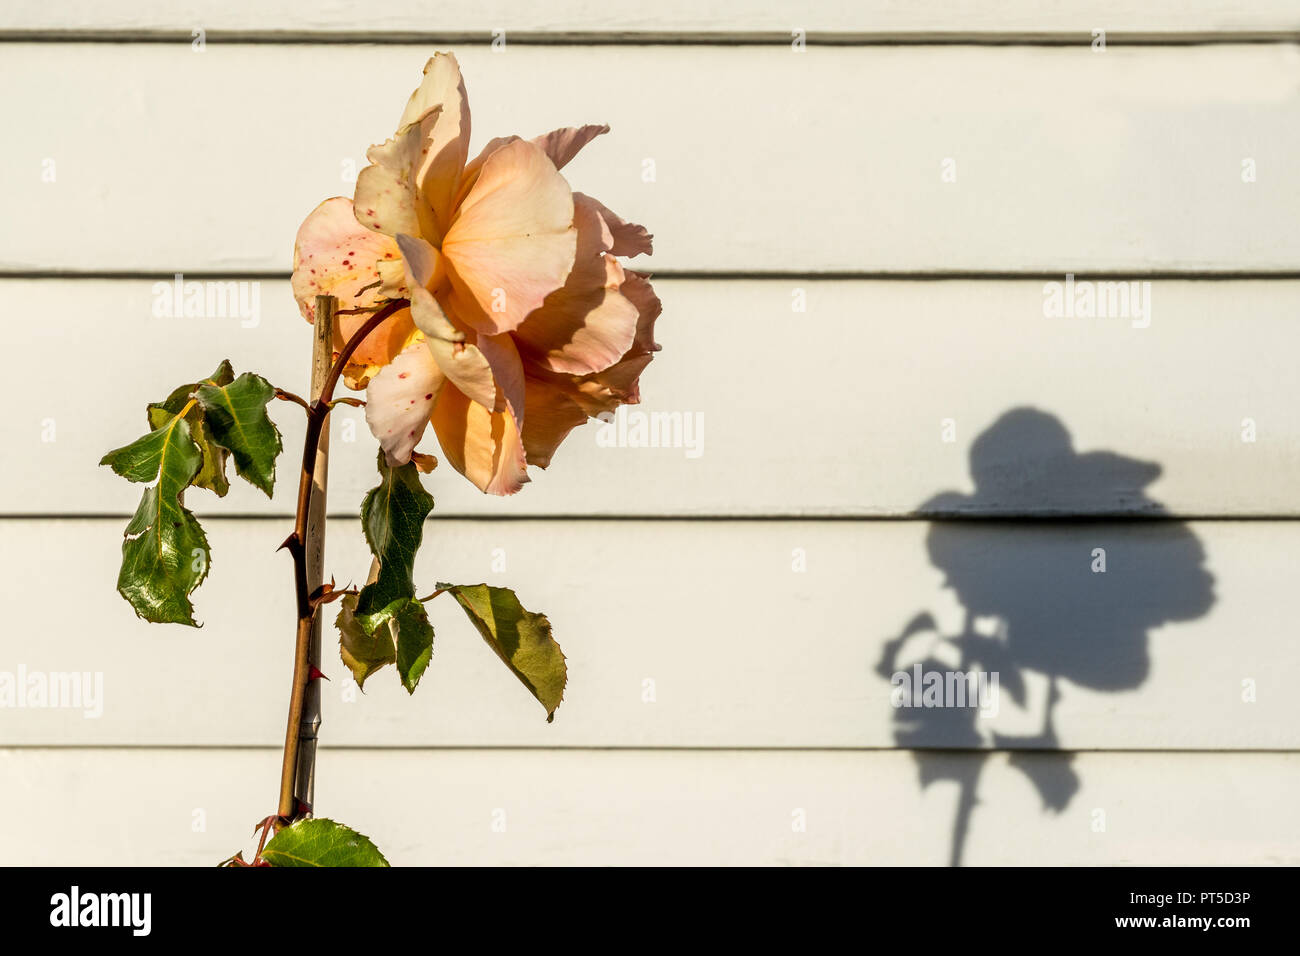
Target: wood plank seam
(655,38)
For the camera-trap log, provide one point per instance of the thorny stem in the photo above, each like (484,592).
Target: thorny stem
(317,416)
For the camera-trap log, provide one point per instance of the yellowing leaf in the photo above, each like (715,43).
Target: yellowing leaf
(399,634)
(522,639)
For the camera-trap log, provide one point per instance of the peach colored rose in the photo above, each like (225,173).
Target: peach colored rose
(522,321)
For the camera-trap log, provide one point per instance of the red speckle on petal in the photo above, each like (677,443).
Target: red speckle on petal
(428,396)
(345,262)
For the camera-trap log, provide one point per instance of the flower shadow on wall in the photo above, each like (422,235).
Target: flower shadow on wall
(1073,601)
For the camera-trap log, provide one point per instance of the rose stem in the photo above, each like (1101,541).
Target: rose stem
(307,546)
(309,724)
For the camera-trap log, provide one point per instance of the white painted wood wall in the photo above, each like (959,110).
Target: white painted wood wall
(780,175)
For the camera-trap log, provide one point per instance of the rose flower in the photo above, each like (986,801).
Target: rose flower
(522,322)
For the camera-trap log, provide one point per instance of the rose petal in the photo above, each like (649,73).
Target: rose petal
(619,384)
(430,318)
(507,372)
(379,347)
(580,331)
(629,238)
(457,353)
(400,399)
(483,446)
(467,368)
(388,197)
(448,145)
(550,414)
(393,283)
(422,262)
(334,254)
(474,167)
(587,325)
(513,241)
(637,289)
(562,145)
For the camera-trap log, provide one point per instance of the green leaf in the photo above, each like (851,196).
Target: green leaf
(165,555)
(164,558)
(399,634)
(320,842)
(520,638)
(236,416)
(392,516)
(212,475)
(182,394)
(363,651)
(168,449)
(414,635)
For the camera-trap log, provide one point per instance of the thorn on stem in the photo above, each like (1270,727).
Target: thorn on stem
(326,593)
